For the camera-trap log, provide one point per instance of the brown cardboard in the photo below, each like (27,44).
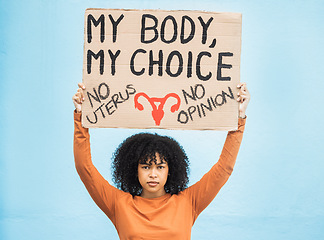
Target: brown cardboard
(121,96)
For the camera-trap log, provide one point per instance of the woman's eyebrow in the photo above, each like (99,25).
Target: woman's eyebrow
(161,163)
(146,164)
(149,164)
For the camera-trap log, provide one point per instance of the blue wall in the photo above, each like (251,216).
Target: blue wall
(277,188)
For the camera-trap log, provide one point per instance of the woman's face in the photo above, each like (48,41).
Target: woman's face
(152,177)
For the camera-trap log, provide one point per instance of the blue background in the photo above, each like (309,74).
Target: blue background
(277,188)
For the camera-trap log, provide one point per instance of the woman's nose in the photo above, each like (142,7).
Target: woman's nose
(153,173)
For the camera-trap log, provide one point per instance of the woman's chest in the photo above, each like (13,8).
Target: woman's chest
(170,219)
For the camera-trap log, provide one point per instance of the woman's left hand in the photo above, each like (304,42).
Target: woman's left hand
(243,99)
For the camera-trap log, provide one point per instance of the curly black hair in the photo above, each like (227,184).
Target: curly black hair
(140,148)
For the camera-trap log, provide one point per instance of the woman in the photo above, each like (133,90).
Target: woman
(152,201)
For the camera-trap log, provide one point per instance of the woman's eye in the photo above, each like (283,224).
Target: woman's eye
(145,167)
(160,167)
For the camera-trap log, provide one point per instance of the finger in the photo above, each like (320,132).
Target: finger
(79,97)
(80,91)
(246,89)
(243,98)
(242,93)
(81,85)
(76,99)
(241,84)
(245,95)
(243,87)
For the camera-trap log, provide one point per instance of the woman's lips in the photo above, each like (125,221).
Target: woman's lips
(152,184)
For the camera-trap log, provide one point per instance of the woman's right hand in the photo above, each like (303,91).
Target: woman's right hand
(78,98)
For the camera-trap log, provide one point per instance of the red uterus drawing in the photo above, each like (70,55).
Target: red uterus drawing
(157,112)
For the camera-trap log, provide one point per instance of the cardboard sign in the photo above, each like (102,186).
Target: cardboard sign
(161,69)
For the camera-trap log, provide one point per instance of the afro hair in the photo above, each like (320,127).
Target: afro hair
(142,147)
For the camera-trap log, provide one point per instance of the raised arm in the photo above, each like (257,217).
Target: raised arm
(100,190)
(204,191)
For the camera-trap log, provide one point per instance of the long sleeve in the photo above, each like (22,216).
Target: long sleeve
(99,189)
(205,190)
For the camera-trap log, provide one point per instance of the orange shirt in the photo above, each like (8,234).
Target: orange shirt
(168,217)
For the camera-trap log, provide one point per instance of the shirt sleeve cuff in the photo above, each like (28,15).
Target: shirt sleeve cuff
(241,121)
(77,116)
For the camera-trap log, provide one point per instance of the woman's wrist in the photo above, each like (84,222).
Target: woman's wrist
(242,115)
